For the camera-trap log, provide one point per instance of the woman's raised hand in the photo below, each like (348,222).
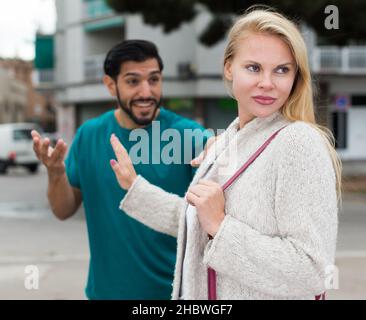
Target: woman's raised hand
(209,200)
(123,167)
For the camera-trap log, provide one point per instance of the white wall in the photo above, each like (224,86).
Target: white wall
(356,140)
(181,45)
(69,42)
(61,16)
(74,52)
(209,59)
(174,47)
(356,123)
(100,42)
(73,11)
(87,93)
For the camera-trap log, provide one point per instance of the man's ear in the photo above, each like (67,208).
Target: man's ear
(228,71)
(110,85)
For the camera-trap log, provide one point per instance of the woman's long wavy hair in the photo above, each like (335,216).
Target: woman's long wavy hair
(299,106)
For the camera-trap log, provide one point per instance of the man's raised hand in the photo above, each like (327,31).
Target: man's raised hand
(52,158)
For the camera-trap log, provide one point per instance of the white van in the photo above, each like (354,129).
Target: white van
(16,146)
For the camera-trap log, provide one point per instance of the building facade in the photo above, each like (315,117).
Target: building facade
(193,84)
(20,101)
(13,97)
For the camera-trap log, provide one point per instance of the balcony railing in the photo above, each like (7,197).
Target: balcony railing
(347,60)
(42,77)
(47,75)
(96,9)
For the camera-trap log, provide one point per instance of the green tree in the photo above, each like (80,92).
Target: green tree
(170,14)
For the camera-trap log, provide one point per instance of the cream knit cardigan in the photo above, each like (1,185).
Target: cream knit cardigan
(278,238)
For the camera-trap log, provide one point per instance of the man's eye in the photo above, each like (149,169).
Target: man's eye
(154,80)
(132,82)
(253,68)
(283,70)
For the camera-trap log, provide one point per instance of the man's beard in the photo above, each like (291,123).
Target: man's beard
(128,109)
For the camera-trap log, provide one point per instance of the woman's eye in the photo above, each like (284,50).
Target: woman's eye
(253,68)
(282,70)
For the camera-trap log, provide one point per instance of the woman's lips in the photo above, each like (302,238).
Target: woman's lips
(264,100)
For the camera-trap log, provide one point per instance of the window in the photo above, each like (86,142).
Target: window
(358,101)
(22,134)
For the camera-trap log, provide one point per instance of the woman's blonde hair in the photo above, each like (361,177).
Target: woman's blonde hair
(299,106)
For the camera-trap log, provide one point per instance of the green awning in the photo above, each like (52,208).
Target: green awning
(44,58)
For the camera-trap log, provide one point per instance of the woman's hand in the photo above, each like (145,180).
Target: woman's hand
(123,167)
(208,198)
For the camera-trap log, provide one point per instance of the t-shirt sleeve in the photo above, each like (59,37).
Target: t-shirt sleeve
(72,162)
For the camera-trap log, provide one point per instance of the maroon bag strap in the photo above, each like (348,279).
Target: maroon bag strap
(211,273)
(251,160)
(320,296)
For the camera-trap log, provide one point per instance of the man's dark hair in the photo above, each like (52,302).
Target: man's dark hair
(130,50)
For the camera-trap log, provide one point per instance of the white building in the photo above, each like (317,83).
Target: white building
(193,84)
(343,71)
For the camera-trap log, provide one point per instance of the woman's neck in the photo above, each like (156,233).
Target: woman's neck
(244,119)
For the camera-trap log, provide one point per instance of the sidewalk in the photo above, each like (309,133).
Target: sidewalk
(60,248)
(354,167)
(60,251)
(352,279)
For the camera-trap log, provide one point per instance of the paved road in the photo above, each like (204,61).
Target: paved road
(30,235)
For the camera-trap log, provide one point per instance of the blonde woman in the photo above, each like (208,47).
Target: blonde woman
(273,231)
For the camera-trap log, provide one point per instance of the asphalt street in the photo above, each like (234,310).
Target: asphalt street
(31,236)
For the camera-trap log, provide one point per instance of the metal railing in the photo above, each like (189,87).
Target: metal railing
(96,9)
(347,60)
(46,75)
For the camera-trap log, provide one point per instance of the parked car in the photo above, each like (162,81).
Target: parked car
(16,146)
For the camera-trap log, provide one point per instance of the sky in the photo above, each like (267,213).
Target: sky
(19,22)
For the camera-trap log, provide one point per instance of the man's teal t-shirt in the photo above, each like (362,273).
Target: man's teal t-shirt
(128,260)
